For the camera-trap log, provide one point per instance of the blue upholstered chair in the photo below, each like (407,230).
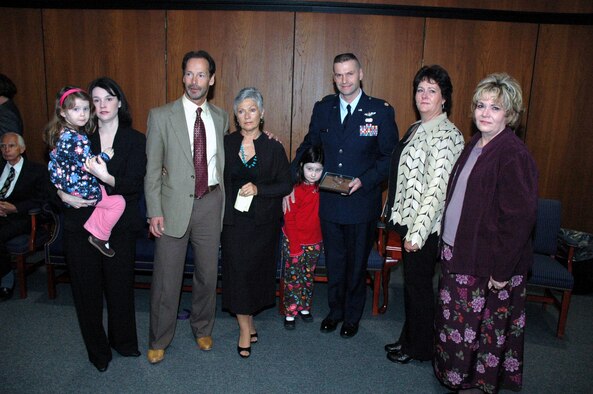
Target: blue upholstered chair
(42,228)
(553,278)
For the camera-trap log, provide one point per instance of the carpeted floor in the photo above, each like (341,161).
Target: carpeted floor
(41,351)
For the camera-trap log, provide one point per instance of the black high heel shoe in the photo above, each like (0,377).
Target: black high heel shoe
(244,349)
(254,337)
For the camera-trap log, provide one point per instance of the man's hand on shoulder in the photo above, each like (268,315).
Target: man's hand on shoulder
(271,136)
(287,200)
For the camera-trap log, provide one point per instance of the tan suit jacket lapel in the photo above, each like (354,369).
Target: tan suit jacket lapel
(179,128)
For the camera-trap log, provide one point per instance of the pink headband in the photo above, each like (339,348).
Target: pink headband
(68,93)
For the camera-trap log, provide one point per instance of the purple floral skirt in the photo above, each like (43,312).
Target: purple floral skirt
(479,331)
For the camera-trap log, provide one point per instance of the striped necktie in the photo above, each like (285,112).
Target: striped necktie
(6,185)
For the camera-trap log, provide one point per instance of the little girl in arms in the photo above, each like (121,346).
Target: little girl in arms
(67,136)
(302,244)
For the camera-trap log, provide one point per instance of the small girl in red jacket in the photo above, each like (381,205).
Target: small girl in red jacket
(302,244)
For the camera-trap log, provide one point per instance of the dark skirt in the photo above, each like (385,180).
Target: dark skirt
(249,265)
(479,331)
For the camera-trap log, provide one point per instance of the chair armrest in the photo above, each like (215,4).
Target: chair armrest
(570,258)
(570,245)
(34,211)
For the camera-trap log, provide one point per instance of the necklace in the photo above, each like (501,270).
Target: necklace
(243,158)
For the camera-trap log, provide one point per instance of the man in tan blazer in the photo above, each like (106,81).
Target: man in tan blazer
(178,211)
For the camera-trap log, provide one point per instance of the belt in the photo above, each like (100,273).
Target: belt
(210,189)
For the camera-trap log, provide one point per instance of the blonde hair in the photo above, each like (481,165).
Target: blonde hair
(58,123)
(506,91)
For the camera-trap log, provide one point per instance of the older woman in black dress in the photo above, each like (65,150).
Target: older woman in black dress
(94,276)
(489,215)
(256,178)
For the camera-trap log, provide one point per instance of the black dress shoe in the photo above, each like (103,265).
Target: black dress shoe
(399,357)
(131,354)
(328,325)
(101,367)
(348,330)
(393,347)
(289,324)
(5,293)
(306,317)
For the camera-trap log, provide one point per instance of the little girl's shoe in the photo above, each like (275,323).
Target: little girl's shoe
(102,246)
(289,323)
(307,317)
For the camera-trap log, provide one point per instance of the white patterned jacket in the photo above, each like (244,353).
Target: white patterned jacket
(422,176)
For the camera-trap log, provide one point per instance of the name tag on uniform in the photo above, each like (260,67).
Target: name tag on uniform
(369,130)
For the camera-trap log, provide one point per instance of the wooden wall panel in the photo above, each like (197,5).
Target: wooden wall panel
(128,46)
(560,131)
(289,57)
(553,6)
(21,46)
(389,49)
(470,50)
(249,48)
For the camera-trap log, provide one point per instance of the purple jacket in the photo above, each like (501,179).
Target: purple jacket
(499,210)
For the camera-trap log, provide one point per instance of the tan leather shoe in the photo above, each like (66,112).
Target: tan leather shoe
(155,356)
(205,343)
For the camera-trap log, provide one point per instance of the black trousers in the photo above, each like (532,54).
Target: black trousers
(417,336)
(347,249)
(10,227)
(95,277)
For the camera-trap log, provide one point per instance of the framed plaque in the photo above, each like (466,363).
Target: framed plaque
(337,183)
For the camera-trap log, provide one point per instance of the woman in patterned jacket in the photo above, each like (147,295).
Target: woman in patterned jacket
(420,167)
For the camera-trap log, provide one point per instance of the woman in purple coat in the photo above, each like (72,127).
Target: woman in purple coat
(486,250)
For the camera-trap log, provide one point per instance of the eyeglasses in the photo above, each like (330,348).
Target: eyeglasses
(9,146)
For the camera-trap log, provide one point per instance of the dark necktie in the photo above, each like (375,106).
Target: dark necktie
(347,117)
(200,163)
(7,183)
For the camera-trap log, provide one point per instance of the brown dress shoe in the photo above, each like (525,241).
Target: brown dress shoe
(204,343)
(155,356)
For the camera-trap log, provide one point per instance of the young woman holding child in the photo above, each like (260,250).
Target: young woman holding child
(96,277)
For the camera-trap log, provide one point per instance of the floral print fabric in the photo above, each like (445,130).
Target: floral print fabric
(66,166)
(479,331)
(299,277)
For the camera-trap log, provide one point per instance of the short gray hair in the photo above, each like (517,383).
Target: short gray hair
(249,93)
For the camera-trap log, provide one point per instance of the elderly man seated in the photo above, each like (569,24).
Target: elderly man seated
(23,186)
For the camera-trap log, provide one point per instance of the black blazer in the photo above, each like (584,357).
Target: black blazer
(128,167)
(30,190)
(273,182)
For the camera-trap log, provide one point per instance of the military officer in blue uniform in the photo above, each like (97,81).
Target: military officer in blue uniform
(357,133)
